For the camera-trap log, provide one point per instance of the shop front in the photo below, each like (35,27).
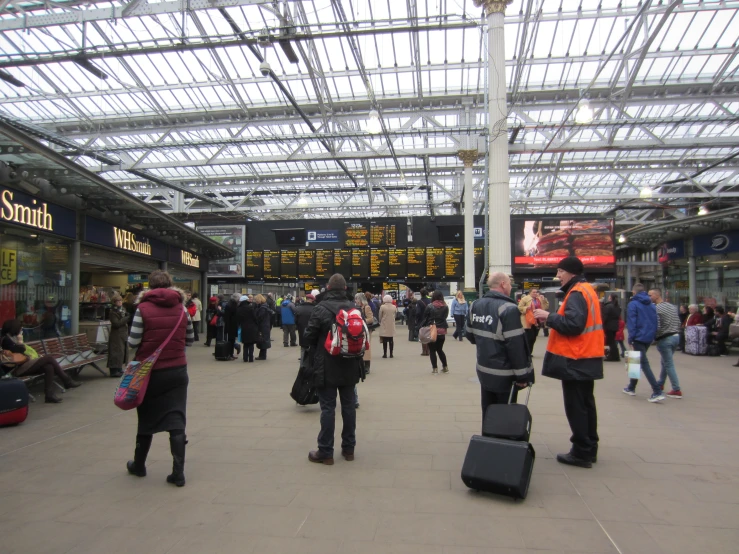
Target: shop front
(36,263)
(187,269)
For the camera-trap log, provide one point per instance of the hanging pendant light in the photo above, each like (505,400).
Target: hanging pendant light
(374,127)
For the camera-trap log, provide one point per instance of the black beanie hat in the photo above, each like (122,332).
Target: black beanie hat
(571,264)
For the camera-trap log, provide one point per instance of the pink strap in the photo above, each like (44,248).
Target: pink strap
(161,347)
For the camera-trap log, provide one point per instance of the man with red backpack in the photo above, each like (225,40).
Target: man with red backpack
(336,337)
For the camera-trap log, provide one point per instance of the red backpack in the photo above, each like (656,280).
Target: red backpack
(348,336)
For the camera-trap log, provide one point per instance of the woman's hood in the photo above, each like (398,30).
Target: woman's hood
(166,297)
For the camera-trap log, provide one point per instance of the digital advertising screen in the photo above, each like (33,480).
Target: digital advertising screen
(306,264)
(343,262)
(324,264)
(378,263)
(271,261)
(540,243)
(254,265)
(454,263)
(360,263)
(290,237)
(230,236)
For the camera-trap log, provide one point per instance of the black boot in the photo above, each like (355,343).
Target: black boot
(177,447)
(137,466)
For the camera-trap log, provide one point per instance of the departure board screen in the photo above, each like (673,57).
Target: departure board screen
(306,264)
(343,262)
(479,262)
(416,263)
(356,235)
(378,263)
(254,265)
(360,263)
(289,265)
(454,263)
(397,263)
(324,264)
(382,235)
(271,265)
(434,262)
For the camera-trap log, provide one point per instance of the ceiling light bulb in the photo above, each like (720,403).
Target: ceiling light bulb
(374,126)
(584,113)
(646,192)
(622,238)
(702,210)
(403,198)
(302,201)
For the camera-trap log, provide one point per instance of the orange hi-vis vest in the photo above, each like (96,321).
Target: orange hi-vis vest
(589,343)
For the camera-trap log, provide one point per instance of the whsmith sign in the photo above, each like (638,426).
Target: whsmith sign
(22,209)
(184,257)
(105,234)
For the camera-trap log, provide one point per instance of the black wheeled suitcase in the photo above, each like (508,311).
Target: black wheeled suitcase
(222,352)
(13,401)
(499,466)
(508,421)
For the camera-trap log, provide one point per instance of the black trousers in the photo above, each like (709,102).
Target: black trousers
(211,331)
(459,325)
(327,400)
(582,416)
(531,335)
(437,349)
(613,348)
(488,397)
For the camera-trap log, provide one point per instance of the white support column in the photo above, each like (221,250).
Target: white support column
(469,157)
(498,195)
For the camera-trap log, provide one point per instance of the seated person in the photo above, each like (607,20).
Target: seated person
(12,340)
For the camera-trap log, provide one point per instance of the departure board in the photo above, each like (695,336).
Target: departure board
(306,264)
(289,265)
(397,265)
(479,263)
(434,263)
(454,263)
(254,265)
(360,263)
(378,263)
(343,262)
(324,264)
(382,235)
(271,265)
(356,235)
(416,263)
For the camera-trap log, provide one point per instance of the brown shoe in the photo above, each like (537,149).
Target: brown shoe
(317,457)
(348,455)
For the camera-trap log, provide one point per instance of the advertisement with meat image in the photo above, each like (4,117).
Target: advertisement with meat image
(541,243)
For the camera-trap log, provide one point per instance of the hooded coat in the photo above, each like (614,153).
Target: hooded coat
(117,351)
(247,320)
(641,319)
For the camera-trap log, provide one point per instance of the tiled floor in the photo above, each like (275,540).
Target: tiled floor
(667,478)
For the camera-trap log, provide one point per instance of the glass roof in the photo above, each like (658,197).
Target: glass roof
(169,99)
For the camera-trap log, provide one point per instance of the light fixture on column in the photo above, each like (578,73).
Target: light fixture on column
(646,192)
(702,210)
(374,127)
(584,113)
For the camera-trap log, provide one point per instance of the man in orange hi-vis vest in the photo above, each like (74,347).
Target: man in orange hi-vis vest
(575,357)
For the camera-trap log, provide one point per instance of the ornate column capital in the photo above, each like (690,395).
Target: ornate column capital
(493,6)
(468,157)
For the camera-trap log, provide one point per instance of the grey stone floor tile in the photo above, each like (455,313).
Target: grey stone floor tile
(118,540)
(690,540)
(565,534)
(323,523)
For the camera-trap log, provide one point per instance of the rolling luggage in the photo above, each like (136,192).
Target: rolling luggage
(696,340)
(508,421)
(222,352)
(499,466)
(13,401)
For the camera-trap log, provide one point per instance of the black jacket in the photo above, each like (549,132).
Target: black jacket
(247,321)
(571,324)
(611,314)
(230,321)
(721,326)
(302,316)
(420,310)
(264,320)
(493,324)
(328,370)
(436,315)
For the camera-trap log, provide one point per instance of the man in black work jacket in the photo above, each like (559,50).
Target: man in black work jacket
(332,375)
(503,355)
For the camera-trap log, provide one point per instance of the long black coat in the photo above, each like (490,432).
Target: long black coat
(302,316)
(247,321)
(264,320)
(230,321)
(330,371)
(611,314)
(117,350)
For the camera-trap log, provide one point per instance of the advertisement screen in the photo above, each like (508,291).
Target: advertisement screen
(230,236)
(542,243)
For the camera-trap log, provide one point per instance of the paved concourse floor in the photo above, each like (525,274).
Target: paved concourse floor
(666,481)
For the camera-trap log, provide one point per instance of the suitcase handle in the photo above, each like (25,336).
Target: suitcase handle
(513,387)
